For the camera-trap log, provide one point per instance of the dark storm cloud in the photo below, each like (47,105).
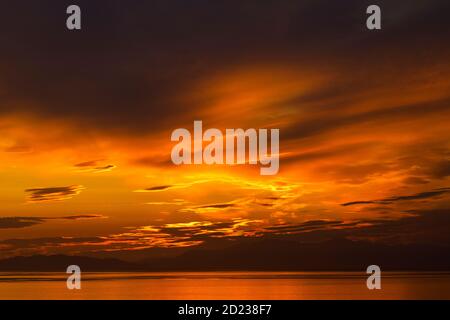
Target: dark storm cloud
(23,222)
(161,236)
(418,227)
(415,180)
(441,169)
(122,69)
(422,226)
(326,123)
(418,196)
(329,152)
(53,193)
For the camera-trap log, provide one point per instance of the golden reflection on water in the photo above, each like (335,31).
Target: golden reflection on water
(225,285)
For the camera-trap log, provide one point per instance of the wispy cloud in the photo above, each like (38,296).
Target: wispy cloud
(18,148)
(312,225)
(94,166)
(165,187)
(417,196)
(53,193)
(91,163)
(157,188)
(19,222)
(278,185)
(197,231)
(23,222)
(175,202)
(213,207)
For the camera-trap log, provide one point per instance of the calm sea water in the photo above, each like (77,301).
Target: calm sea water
(225,285)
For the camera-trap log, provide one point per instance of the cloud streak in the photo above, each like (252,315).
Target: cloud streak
(23,222)
(418,196)
(94,166)
(53,193)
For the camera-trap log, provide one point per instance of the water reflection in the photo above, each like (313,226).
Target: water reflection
(225,285)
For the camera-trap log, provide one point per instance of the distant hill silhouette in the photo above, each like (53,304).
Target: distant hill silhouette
(263,255)
(336,255)
(61,262)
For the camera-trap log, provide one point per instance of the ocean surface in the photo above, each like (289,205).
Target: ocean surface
(225,285)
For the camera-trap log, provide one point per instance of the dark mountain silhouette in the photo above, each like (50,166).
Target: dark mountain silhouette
(336,255)
(263,255)
(61,262)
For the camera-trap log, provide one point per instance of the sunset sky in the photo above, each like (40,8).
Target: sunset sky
(86,118)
